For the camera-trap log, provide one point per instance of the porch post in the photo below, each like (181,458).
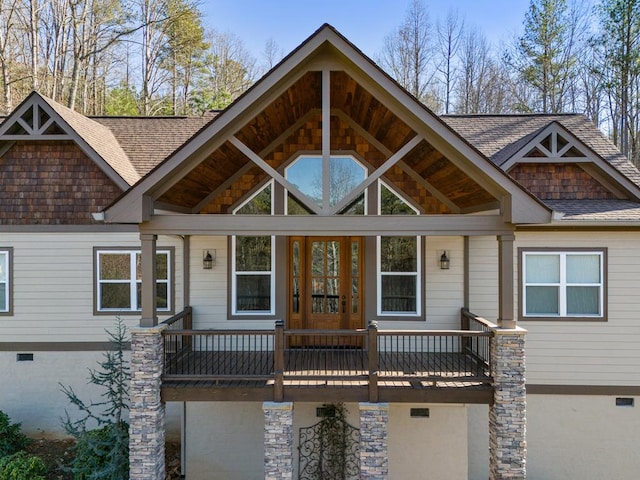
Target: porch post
(146,415)
(507,414)
(506,317)
(149,275)
(278,440)
(374,457)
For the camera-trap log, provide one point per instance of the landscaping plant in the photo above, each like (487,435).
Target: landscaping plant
(12,440)
(102,432)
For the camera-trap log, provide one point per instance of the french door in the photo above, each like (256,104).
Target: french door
(326,283)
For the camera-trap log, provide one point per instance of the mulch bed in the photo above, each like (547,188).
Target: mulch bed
(55,453)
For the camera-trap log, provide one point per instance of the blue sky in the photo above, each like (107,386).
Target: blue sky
(364,22)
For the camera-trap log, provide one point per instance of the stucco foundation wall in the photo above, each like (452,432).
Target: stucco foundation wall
(225,440)
(581,437)
(478,441)
(39,403)
(433,447)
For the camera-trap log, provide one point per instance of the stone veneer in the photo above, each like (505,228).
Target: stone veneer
(146,417)
(507,415)
(374,459)
(278,440)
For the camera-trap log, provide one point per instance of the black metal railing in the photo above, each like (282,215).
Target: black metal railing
(367,357)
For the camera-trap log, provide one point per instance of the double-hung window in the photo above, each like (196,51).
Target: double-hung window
(5,281)
(399,262)
(253,262)
(563,283)
(119,280)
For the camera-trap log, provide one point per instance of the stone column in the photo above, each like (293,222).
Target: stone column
(374,459)
(278,440)
(507,415)
(146,417)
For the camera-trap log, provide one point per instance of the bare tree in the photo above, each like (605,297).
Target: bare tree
(450,37)
(407,53)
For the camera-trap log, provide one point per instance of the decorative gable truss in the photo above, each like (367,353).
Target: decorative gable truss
(38,118)
(32,122)
(559,156)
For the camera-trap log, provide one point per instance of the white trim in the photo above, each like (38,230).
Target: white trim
(6,279)
(132,281)
(417,273)
(234,278)
(563,284)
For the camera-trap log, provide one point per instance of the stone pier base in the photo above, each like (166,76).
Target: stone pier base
(146,417)
(374,459)
(278,440)
(507,415)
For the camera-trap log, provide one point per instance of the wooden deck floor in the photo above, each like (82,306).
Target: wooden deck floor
(326,375)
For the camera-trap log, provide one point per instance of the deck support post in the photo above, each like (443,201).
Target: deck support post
(149,276)
(372,348)
(278,440)
(506,317)
(507,414)
(146,415)
(278,363)
(374,458)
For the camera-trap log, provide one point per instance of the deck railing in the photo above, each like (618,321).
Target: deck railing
(367,357)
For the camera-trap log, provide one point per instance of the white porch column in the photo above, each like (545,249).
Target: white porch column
(506,318)
(146,416)
(374,426)
(278,440)
(507,415)
(149,275)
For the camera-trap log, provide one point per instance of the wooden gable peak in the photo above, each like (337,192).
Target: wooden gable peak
(555,144)
(39,118)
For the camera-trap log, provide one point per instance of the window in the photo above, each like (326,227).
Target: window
(563,283)
(398,261)
(5,281)
(253,263)
(119,280)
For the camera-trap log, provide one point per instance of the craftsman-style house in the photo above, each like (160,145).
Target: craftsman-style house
(328,241)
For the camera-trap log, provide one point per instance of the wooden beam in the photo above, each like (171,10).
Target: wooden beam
(272,172)
(366,225)
(429,187)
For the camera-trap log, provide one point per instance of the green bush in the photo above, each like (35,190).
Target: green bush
(102,453)
(22,466)
(12,440)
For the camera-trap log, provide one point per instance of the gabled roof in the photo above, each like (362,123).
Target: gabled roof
(40,118)
(326,51)
(147,141)
(500,137)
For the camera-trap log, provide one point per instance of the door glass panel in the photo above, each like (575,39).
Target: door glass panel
(325,280)
(354,295)
(295,306)
(317,254)
(333,258)
(355,272)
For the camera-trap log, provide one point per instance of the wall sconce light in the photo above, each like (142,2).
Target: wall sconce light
(208,259)
(444,261)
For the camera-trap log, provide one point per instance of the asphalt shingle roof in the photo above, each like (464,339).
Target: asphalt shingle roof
(147,141)
(499,137)
(99,138)
(596,210)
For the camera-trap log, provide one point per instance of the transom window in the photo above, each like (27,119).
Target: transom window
(5,280)
(563,283)
(119,280)
(326,183)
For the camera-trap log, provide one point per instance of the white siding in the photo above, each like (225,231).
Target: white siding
(53,286)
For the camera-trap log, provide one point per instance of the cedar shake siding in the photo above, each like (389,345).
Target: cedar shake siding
(559,181)
(51,183)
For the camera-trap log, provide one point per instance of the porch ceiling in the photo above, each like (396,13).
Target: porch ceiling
(360,125)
